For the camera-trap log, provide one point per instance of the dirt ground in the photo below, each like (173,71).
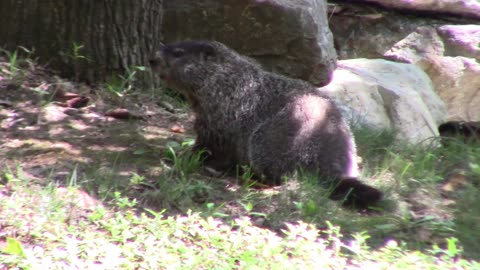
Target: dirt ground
(63,133)
(49,126)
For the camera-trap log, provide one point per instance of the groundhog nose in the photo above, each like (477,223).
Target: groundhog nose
(155,57)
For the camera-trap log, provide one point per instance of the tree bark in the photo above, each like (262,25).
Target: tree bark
(88,39)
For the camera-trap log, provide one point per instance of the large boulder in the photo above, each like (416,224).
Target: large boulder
(382,94)
(361,30)
(459,8)
(461,40)
(289,37)
(450,55)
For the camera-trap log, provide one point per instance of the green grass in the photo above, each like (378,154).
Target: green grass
(120,85)
(43,230)
(46,231)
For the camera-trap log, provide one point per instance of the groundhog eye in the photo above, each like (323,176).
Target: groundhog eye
(177,52)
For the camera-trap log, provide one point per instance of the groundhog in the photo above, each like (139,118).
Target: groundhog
(469,132)
(277,125)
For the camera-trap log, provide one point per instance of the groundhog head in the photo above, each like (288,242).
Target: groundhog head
(184,66)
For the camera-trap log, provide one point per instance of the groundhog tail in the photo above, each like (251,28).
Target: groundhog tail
(355,194)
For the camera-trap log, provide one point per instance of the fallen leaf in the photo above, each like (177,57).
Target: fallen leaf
(14,247)
(78,102)
(122,114)
(178,129)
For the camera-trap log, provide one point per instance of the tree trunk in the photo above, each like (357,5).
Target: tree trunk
(88,39)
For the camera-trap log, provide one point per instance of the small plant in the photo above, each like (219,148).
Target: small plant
(185,162)
(137,179)
(74,54)
(14,177)
(74,57)
(98,214)
(452,251)
(308,208)
(120,85)
(13,63)
(14,247)
(123,202)
(314,201)
(73,180)
(248,207)
(246,173)
(41,91)
(214,210)
(246,176)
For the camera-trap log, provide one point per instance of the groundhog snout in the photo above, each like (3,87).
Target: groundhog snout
(152,62)
(155,60)
(158,65)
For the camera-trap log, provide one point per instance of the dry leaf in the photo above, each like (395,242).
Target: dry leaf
(177,129)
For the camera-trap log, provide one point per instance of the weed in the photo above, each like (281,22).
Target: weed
(14,69)
(120,85)
(41,91)
(14,247)
(75,57)
(248,207)
(137,180)
(73,180)
(13,63)
(214,210)
(123,202)
(308,208)
(74,54)
(14,176)
(185,161)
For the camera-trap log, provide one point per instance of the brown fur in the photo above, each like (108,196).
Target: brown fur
(248,116)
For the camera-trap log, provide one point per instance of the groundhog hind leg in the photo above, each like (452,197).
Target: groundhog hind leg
(309,134)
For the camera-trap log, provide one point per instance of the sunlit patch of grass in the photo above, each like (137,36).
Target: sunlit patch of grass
(424,213)
(179,186)
(112,236)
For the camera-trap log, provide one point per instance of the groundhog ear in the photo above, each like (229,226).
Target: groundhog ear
(208,51)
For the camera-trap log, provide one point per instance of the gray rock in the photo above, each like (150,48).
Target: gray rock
(386,95)
(288,37)
(362,31)
(461,40)
(423,43)
(368,31)
(450,56)
(465,8)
